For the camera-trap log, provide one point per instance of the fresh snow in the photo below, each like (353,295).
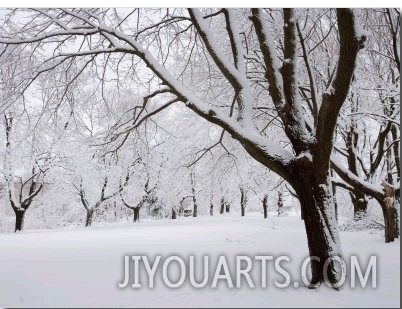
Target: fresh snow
(66,267)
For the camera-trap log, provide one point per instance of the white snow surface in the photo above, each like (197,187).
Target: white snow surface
(82,267)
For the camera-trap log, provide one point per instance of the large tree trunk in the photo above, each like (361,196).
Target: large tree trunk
(90,214)
(320,223)
(265,206)
(390,209)
(19,219)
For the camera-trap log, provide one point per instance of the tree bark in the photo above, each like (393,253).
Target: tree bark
(395,136)
(174,216)
(211,210)
(88,221)
(222,206)
(243,202)
(334,196)
(136,213)
(390,205)
(280,204)
(265,206)
(195,208)
(316,200)
(359,202)
(19,219)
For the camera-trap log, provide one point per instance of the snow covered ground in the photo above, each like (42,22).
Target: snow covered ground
(82,267)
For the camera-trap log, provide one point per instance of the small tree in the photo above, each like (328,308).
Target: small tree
(148,198)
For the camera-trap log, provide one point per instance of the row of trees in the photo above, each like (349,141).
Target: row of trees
(310,95)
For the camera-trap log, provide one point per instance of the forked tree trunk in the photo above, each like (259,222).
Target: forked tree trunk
(265,206)
(90,214)
(321,227)
(359,202)
(19,219)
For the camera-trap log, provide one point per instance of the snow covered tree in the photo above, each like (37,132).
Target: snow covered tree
(372,144)
(148,198)
(304,163)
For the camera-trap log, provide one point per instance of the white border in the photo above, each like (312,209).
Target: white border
(198,3)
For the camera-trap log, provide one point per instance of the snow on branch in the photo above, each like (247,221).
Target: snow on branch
(350,42)
(355,181)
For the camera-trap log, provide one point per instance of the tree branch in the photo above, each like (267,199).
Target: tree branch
(351,41)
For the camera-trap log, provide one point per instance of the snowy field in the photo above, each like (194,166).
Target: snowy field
(71,268)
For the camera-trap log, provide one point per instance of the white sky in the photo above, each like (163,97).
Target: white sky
(199,3)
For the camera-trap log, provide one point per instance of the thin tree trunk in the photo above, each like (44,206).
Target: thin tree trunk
(390,205)
(88,221)
(227,206)
(136,213)
(174,216)
(395,136)
(222,206)
(265,206)
(211,210)
(243,202)
(19,219)
(280,204)
(195,209)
